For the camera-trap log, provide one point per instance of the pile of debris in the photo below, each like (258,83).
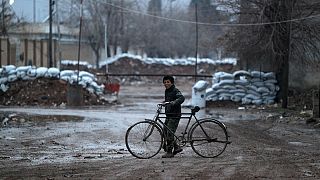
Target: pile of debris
(43,92)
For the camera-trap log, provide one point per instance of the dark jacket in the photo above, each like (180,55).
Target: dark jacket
(176,98)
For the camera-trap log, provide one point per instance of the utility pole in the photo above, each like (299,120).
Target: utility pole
(3,18)
(79,45)
(106,44)
(34,11)
(196,55)
(51,3)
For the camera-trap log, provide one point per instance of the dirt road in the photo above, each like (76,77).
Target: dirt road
(88,143)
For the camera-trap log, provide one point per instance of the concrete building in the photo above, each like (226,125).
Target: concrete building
(28,44)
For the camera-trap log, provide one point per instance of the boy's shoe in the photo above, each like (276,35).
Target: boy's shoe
(168,155)
(177,150)
(164,147)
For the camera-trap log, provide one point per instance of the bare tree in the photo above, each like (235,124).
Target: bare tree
(285,33)
(7,17)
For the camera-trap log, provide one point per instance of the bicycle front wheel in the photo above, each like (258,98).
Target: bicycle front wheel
(208,138)
(144,139)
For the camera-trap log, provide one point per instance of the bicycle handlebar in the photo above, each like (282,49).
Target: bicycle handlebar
(193,110)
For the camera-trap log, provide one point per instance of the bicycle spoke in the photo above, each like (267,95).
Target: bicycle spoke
(144,139)
(209,139)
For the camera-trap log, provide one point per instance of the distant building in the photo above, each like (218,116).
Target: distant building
(28,44)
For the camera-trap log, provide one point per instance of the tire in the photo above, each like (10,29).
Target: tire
(200,143)
(140,147)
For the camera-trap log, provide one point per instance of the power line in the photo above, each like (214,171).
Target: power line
(209,24)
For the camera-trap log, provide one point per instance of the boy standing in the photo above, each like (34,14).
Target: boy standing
(173,115)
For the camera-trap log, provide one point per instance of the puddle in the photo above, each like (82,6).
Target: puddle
(299,143)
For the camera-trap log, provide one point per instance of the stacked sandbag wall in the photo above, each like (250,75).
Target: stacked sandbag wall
(11,73)
(246,87)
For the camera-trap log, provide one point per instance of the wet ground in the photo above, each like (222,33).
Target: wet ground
(88,143)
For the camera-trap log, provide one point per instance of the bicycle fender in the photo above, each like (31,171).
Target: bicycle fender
(215,120)
(156,123)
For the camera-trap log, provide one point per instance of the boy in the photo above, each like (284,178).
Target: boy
(173,115)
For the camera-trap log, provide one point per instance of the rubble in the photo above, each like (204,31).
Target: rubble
(43,92)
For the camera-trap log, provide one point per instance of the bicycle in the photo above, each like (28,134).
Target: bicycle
(207,137)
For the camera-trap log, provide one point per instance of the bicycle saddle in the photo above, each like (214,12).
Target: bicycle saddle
(195,109)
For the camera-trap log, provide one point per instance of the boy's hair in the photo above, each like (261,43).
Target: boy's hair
(168,77)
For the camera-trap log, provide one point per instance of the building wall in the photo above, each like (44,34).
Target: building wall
(22,52)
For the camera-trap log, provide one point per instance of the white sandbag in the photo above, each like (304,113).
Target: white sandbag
(270,86)
(225,96)
(253,92)
(252,97)
(74,79)
(269,97)
(218,76)
(228,87)
(253,88)
(90,89)
(83,84)
(65,78)
(233,91)
(67,73)
(273,81)
(256,80)
(87,79)
(240,94)
(12,72)
(21,74)
(200,85)
(257,74)
(87,74)
(32,72)
(222,90)
(268,101)
(269,75)
(215,86)
(226,76)
(236,98)
(3,80)
(23,68)
(212,97)
(1,70)
(238,86)
(263,90)
(246,100)
(241,73)
(27,78)
(226,82)
(241,82)
(4,87)
(41,72)
(258,84)
(257,101)
(8,68)
(12,78)
(53,73)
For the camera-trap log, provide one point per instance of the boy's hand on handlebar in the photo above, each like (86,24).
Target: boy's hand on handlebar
(166,103)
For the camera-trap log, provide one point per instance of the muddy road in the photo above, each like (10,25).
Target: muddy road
(88,143)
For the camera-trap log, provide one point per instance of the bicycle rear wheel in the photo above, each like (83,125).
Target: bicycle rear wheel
(209,138)
(144,139)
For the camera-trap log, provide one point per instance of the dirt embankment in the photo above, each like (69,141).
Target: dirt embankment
(43,92)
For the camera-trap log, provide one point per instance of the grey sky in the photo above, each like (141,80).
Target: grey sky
(25,8)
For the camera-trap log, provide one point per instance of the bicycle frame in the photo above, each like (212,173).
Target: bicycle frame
(161,115)
(198,134)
